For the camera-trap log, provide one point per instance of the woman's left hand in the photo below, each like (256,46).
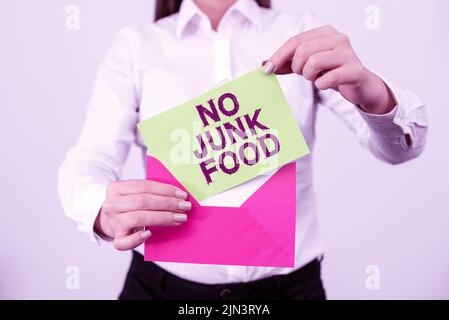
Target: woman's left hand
(326,57)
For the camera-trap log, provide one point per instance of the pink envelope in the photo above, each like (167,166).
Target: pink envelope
(259,233)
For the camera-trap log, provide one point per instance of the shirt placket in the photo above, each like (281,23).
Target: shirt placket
(223,72)
(222,57)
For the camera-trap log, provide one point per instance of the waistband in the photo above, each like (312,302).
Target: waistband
(150,275)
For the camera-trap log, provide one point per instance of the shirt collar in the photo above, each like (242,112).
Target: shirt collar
(249,9)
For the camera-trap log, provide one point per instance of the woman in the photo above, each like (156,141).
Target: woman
(193,45)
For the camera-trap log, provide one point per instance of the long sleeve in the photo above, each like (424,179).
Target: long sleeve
(395,137)
(102,148)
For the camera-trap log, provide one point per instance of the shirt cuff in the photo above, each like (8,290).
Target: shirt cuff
(91,200)
(390,125)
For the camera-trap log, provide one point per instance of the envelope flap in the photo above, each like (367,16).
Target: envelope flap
(274,205)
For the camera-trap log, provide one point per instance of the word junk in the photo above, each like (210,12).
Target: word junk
(237,133)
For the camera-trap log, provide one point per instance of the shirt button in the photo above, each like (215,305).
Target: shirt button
(225,293)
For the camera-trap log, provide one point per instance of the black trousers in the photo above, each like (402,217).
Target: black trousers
(147,281)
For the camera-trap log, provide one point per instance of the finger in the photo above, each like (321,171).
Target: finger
(146,201)
(306,50)
(127,242)
(137,219)
(335,78)
(320,62)
(280,61)
(126,187)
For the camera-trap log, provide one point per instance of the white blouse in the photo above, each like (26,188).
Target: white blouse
(159,65)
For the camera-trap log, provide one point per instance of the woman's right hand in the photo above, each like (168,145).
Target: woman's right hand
(131,205)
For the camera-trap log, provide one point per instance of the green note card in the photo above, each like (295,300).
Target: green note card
(227,136)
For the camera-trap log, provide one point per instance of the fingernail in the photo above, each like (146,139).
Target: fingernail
(145,234)
(181,194)
(184,205)
(268,67)
(180,217)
